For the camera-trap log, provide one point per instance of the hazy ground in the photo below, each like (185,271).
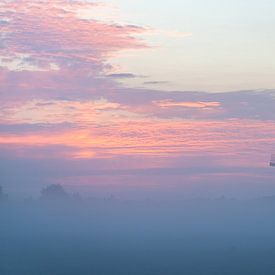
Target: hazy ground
(112,237)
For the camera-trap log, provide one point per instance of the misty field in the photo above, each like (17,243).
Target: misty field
(113,237)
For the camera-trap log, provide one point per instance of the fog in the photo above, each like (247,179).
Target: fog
(61,233)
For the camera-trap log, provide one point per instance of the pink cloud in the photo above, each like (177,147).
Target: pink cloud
(154,138)
(58,35)
(55,54)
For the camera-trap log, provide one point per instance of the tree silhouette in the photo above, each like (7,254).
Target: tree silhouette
(3,196)
(54,192)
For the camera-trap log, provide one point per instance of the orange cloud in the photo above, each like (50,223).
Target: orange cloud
(154,138)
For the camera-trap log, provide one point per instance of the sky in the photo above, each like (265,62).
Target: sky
(137,99)
(209,45)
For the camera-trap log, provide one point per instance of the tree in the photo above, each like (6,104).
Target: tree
(54,192)
(3,196)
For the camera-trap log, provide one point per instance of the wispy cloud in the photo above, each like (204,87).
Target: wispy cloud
(199,104)
(123,75)
(155,82)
